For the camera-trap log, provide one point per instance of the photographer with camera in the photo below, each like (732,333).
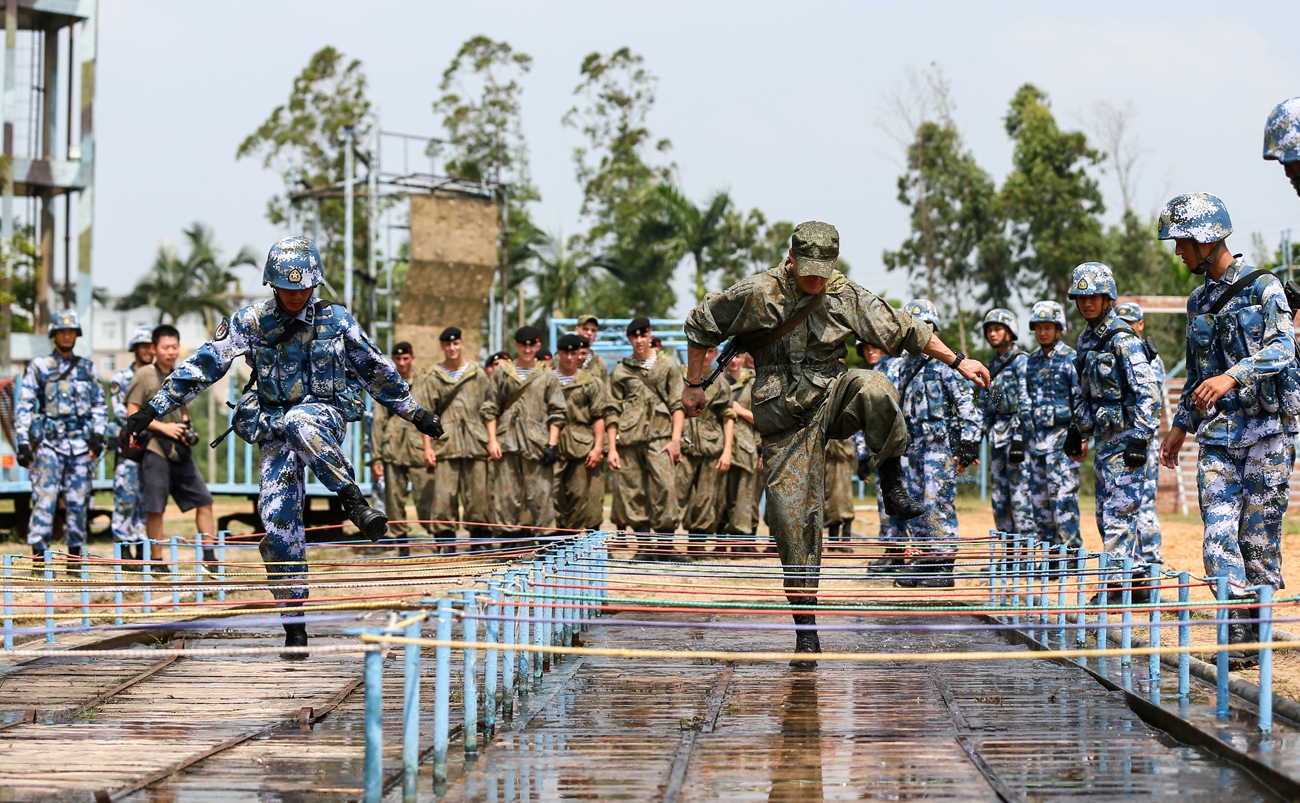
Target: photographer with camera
(167,466)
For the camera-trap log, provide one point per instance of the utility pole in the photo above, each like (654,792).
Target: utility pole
(347,217)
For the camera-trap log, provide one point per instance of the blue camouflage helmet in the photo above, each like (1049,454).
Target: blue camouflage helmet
(142,336)
(293,264)
(1048,312)
(1129,311)
(1093,279)
(924,309)
(65,319)
(1282,132)
(1197,216)
(1006,318)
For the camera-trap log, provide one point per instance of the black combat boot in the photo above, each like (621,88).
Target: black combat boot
(939,576)
(891,561)
(1242,633)
(666,552)
(806,641)
(372,523)
(913,573)
(899,504)
(74,561)
(833,537)
(295,635)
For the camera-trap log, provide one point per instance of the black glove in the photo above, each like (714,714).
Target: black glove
(137,422)
(1135,453)
(550,454)
(95,442)
(1016,454)
(864,468)
(967,452)
(428,423)
(1073,442)
(25,455)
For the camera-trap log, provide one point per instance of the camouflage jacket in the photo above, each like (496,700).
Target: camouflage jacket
(524,427)
(841,450)
(645,400)
(118,385)
(61,413)
(599,369)
(1053,386)
(464,435)
(1117,397)
(705,431)
(327,362)
(794,373)
(1252,339)
(1005,404)
(394,440)
(937,402)
(585,401)
(745,446)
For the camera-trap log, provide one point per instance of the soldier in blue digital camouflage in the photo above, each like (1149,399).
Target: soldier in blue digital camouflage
(891,530)
(128,514)
(1241,399)
(1282,139)
(59,425)
(1118,407)
(1148,522)
(311,361)
(1006,410)
(944,426)
(1053,386)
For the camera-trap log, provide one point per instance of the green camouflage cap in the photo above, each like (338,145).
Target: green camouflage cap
(816,246)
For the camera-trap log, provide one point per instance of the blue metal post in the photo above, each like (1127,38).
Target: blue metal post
(507,654)
(221,564)
(548,611)
(146,574)
(1153,618)
(411,716)
(49,596)
(442,693)
(1062,552)
(1126,599)
(1221,657)
(469,675)
(493,630)
(374,767)
(85,590)
(1265,615)
(1015,579)
(9,601)
(1184,635)
(117,582)
(538,630)
(176,573)
(1081,594)
(198,569)
(995,542)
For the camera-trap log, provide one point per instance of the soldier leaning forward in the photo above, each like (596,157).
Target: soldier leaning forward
(310,360)
(1006,411)
(398,448)
(740,507)
(579,479)
(524,412)
(1118,407)
(128,510)
(708,443)
(794,320)
(455,390)
(59,425)
(1148,522)
(1053,386)
(1241,399)
(944,426)
(645,439)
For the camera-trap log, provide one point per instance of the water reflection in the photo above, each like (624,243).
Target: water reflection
(797,774)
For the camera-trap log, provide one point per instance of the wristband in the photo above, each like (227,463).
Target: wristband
(701,384)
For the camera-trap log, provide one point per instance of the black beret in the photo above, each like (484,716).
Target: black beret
(528,335)
(450,333)
(543,355)
(402,348)
(495,358)
(571,343)
(639,326)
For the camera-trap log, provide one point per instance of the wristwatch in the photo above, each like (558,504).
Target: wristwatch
(957,360)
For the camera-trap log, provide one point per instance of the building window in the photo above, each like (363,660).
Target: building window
(107,365)
(110,331)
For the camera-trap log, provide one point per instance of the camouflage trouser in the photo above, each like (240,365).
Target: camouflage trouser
(524,495)
(1013,507)
(839,492)
(313,434)
(579,495)
(1054,487)
(1119,497)
(1244,495)
(53,474)
(617,513)
(646,489)
(890,530)
(128,515)
(740,513)
(699,489)
(932,478)
(1148,521)
(459,492)
(795,467)
(396,477)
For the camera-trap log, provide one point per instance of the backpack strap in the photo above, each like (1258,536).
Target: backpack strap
(1236,287)
(1101,344)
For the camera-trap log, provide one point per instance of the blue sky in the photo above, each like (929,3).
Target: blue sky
(777,102)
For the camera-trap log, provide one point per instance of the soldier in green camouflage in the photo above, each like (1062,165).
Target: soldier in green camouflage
(804,394)
(455,389)
(399,457)
(579,480)
(708,443)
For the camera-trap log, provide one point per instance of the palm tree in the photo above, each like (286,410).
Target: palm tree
(558,275)
(694,229)
(200,283)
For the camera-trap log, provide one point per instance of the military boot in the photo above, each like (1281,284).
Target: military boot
(940,574)
(833,537)
(75,554)
(295,635)
(806,641)
(890,561)
(1242,633)
(913,573)
(899,504)
(372,523)
(667,553)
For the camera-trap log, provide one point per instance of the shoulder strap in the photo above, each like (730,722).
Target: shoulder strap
(785,328)
(1236,287)
(455,389)
(519,392)
(1101,344)
(993,372)
(907,378)
(72,363)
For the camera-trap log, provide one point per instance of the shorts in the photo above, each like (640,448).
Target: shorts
(160,477)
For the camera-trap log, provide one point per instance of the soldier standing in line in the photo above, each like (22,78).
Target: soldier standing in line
(524,413)
(840,453)
(589,329)
(59,422)
(456,390)
(794,319)
(398,457)
(580,486)
(944,426)
(891,530)
(701,479)
(1241,399)
(311,360)
(1148,522)
(1053,386)
(740,503)
(128,515)
(1282,139)
(1006,411)
(1119,408)
(645,438)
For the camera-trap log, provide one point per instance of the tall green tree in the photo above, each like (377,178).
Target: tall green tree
(201,283)
(694,230)
(1053,203)
(19,273)
(558,274)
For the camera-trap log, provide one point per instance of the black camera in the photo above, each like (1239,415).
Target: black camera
(189,437)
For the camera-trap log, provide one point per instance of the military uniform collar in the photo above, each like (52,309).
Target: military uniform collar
(582,377)
(632,362)
(440,371)
(1230,275)
(59,358)
(1048,352)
